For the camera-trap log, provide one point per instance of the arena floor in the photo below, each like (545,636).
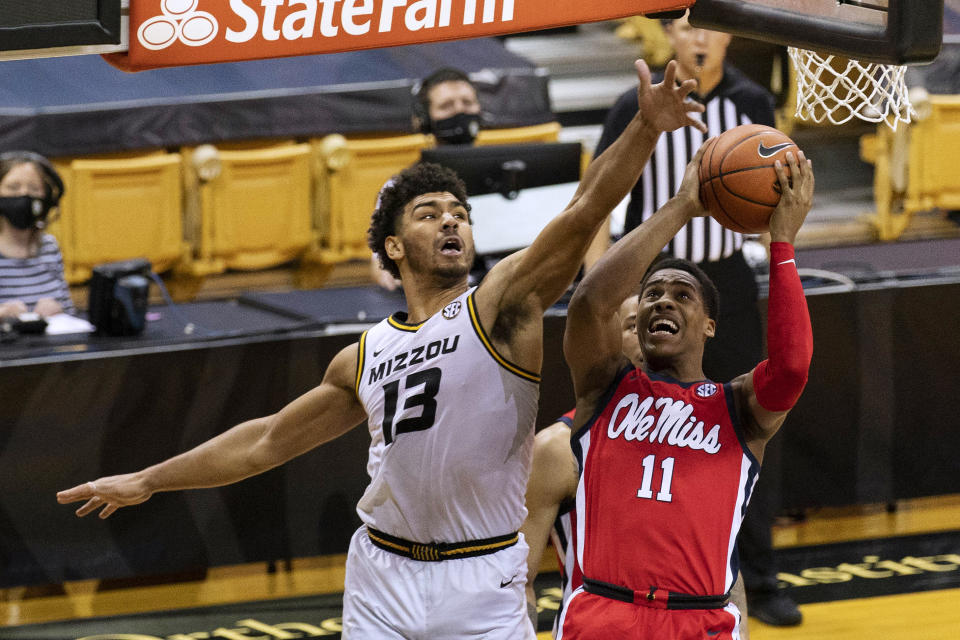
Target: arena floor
(927,606)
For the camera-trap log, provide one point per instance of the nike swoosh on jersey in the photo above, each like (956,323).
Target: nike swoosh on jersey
(767,152)
(376,353)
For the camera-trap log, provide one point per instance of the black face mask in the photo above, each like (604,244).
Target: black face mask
(459,129)
(24,212)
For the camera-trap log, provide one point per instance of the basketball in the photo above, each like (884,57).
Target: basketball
(738,183)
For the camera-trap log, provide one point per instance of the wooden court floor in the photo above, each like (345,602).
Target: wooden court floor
(932,615)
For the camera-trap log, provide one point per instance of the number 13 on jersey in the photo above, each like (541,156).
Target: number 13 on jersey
(430,379)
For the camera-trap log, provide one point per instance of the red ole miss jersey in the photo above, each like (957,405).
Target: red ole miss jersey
(664,485)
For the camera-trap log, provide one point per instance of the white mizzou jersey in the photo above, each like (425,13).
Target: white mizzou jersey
(451,426)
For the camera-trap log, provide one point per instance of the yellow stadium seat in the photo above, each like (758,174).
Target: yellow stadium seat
(248,207)
(547,132)
(120,207)
(915,167)
(350,175)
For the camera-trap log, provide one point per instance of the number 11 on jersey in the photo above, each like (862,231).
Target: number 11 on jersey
(645,490)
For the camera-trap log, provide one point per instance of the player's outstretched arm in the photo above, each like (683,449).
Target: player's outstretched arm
(247,449)
(553,479)
(592,342)
(774,385)
(545,269)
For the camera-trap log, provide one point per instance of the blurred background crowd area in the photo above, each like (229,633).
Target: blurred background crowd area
(262,175)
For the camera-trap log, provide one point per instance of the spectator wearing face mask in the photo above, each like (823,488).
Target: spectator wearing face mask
(31,265)
(446,105)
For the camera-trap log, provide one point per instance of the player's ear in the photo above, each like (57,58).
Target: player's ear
(393,247)
(710,328)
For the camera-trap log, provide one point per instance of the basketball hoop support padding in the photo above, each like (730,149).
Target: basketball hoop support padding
(914,32)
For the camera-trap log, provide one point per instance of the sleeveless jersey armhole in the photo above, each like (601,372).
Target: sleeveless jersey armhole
(601,405)
(733,408)
(488,344)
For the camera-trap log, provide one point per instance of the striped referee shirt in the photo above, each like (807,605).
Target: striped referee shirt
(736,100)
(41,276)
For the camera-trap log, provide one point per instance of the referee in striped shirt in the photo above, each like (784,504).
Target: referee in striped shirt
(731,99)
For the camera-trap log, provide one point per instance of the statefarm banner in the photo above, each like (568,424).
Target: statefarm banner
(167,33)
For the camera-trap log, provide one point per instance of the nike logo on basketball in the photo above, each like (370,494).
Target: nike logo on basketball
(767,152)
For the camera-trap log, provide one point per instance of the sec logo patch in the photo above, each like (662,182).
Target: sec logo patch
(452,310)
(706,389)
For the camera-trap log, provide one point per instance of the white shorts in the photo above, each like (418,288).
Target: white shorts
(391,596)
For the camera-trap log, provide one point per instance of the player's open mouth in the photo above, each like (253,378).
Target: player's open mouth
(663,326)
(452,246)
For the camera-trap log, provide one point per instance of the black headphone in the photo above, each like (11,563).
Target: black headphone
(52,179)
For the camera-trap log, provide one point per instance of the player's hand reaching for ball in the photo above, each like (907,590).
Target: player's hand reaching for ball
(689,191)
(796,197)
(111,493)
(666,106)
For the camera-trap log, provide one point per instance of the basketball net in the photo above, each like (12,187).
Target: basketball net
(866,90)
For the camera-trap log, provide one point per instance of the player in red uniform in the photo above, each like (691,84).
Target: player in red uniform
(668,459)
(552,491)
